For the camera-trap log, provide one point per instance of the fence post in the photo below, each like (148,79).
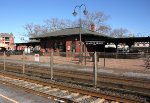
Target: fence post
(4,61)
(23,63)
(85,57)
(85,53)
(95,69)
(51,65)
(104,59)
(104,54)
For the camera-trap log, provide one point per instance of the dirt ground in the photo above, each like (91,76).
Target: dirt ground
(110,63)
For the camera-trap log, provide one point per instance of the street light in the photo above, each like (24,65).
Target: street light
(85,12)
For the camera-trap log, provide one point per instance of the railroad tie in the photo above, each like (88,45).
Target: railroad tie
(82,98)
(8,79)
(37,88)
(64,91)
(17,83)
(27,85)
(71,95)
(51,90)
(114,102)
(38,85)
(99,100)
(31,86)
(15,79)
(47,87)
(43,89)
(21,80)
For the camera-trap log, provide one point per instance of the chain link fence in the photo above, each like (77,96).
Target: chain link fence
(130,61)
(72,61)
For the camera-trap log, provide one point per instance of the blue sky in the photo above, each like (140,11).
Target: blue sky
(133,15)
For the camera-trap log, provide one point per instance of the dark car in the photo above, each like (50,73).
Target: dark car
(17,52)
(9,52)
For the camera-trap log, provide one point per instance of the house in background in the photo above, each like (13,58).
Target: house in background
(7,41)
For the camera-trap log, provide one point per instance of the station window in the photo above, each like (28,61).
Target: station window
(144,44)
(62,47)
(73,46)
(55,45)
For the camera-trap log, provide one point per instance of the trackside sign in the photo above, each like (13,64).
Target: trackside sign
(94,42)
(37,58)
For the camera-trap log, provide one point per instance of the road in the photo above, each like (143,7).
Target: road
(13,95)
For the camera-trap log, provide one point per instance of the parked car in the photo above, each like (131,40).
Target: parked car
(16,52)
(9,52)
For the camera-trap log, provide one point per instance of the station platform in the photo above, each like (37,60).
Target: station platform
(14,95)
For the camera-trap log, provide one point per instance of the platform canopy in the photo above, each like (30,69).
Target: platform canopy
(29,43)
(128,40)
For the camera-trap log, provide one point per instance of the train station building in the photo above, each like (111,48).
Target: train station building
(68,41)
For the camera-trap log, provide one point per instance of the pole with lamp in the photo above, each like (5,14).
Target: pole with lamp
(80,37)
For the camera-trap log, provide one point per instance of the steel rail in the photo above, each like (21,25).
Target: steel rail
(88,76)
(133,86)
(73,89)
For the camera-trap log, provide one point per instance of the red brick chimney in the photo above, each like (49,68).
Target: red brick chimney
(93,28)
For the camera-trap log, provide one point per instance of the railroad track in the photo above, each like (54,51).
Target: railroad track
(137,86)
(57,92)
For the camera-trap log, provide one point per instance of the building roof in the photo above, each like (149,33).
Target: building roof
(5,34)
(130,39)
(69,32)
(33,41)
(29,42)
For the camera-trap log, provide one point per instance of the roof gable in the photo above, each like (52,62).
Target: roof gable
(69,32)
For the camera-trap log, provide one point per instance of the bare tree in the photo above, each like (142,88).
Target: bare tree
(119,33)
(105,29)
(57,24)
(33,30)
(140,35)
(98,18)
